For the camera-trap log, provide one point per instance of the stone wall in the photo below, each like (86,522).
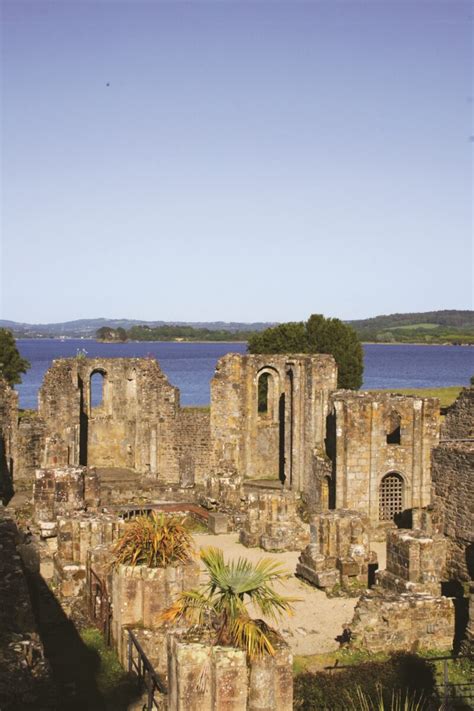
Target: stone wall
(62,491)
(206,678)
(402,622)
(383,440)
(194,446)
(459,420)
(453,497)
(138,425)
(272,522)
(24,673)
(338,555)
(274,439)
(416,562)
(8,432)
(140,594)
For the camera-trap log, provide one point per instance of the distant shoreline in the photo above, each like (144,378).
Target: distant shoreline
(94,340)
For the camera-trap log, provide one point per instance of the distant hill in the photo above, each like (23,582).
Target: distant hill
(428,327)
(451,326)
(87,327)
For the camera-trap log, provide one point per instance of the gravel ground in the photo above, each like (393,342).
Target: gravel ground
(317,619)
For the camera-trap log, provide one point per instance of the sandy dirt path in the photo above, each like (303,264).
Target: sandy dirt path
(317,619)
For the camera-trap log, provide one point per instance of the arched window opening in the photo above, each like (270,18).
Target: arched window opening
(263,389)
(390,497)
(393,428)
(97,388)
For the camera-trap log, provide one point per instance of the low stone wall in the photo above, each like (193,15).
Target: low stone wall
(405,622)
(416,562)
(140,594)
(338,555)
(81,532)
(206,678)
(272,522)
(62,491)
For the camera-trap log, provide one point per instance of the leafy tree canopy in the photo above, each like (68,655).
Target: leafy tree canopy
(12,365)
(317,335)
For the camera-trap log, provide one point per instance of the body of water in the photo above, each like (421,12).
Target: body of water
(190,366)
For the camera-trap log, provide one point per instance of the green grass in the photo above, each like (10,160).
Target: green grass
(116,687)
(446,395)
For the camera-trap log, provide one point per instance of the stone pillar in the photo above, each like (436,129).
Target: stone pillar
(273,522)
(202,677)
(57,492)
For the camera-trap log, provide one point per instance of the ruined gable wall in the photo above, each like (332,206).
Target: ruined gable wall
(363,455)
(459,420)
(263,444)
(453,496)
(135,426)
(194,446)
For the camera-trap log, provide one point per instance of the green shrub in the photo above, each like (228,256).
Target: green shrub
(155,541)
(404,674)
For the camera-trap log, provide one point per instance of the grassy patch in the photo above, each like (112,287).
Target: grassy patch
(196,408)
(446,395)
(116,687)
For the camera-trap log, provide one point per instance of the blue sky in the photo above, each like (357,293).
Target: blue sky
(235,160)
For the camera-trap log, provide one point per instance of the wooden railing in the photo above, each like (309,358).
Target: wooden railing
(139,664)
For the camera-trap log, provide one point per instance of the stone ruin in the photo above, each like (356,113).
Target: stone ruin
(405,610)
(279,439)
(338,556)
(272,522)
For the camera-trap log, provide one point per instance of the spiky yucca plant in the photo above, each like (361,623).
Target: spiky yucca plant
(398,701)
(155,541)
(221,604)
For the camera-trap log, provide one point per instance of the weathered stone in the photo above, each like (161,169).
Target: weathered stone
(272,522)
(218,523)
(338,555)
(405,622)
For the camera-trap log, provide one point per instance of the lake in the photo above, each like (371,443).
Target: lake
(190,366)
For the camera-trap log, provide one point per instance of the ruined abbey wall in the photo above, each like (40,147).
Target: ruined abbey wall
(383,452)
(135,426)
(459,420)
(274,438)
(453,497)
(8,430)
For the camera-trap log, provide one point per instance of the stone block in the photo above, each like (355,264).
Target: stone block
(218,523)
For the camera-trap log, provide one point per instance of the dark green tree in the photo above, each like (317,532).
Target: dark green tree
(12,365)
(121,334)
(106,333)
(317,335)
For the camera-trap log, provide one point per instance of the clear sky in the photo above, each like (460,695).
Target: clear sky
(235,160)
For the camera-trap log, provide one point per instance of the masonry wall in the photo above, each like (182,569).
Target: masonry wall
(459,420)
(136,426)
(364,457)
(278,443)
(453,496)
(194,446)
(8,431)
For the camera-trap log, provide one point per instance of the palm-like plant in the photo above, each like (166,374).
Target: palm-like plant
(155,541)
(221,604)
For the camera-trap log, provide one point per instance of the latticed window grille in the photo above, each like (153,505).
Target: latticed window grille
(390,497)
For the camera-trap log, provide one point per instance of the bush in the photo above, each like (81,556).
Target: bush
(155,541)
(404,674)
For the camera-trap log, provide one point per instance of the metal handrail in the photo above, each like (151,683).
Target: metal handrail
(145,671)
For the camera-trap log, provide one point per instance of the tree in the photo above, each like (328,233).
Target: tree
(221,603)
(12,365)
(317,335)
